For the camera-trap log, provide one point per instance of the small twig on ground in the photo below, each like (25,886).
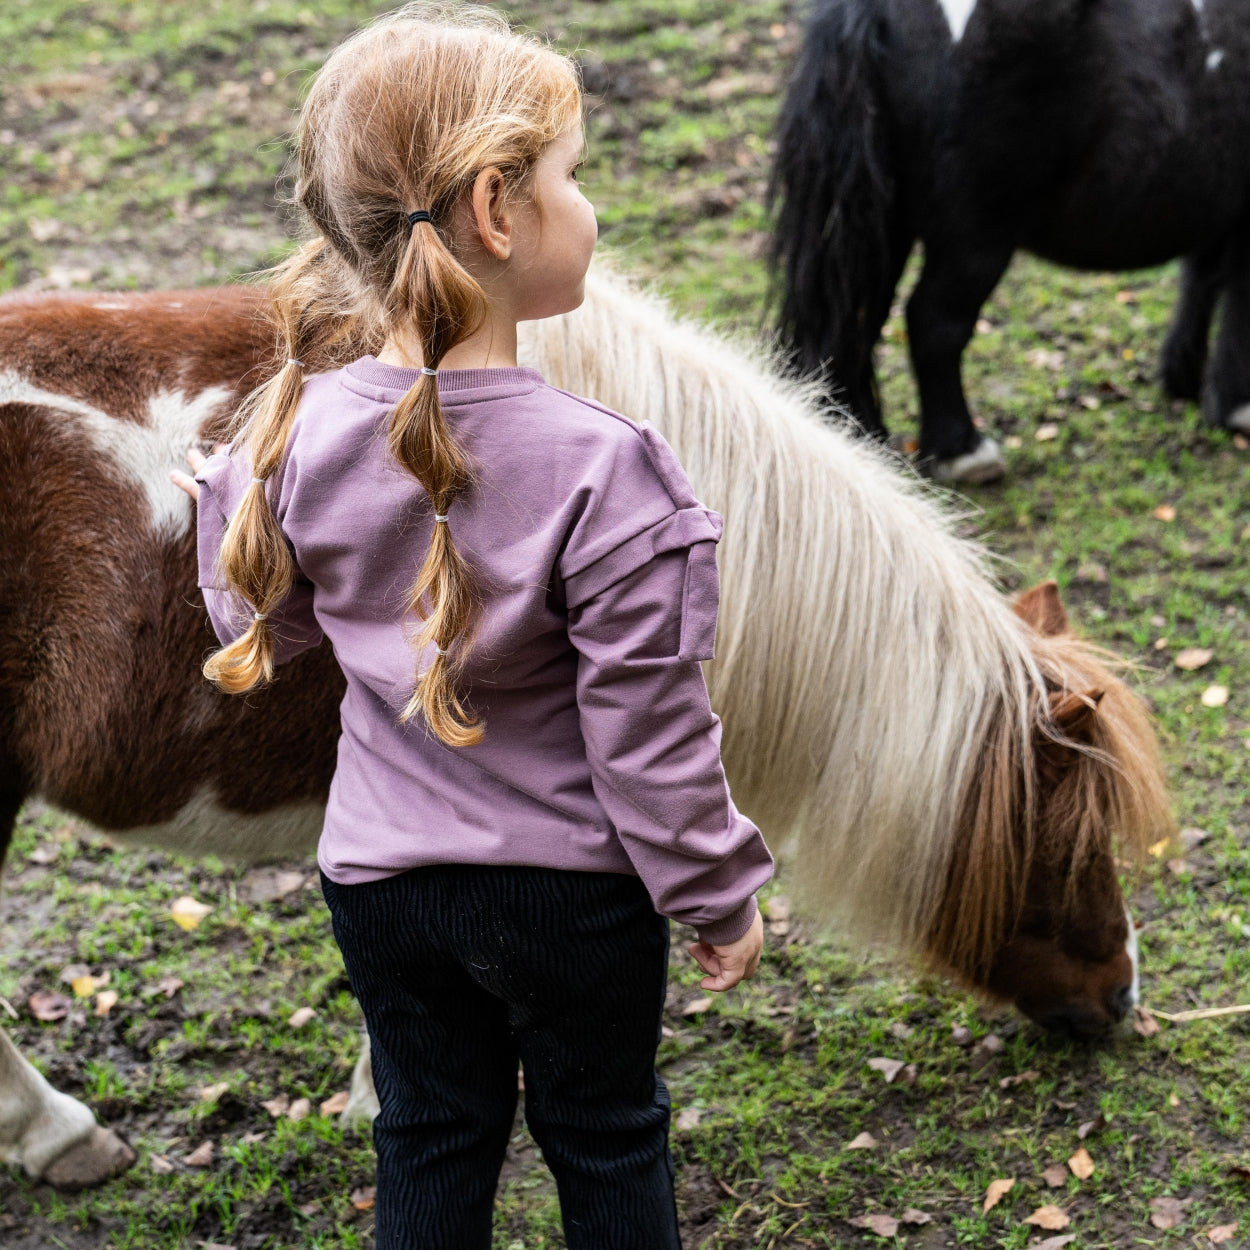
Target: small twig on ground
(1204,1013)
(8,1006)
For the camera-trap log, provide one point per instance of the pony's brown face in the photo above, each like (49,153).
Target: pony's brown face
(1071,963)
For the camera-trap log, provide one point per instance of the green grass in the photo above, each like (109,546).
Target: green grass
(140,143)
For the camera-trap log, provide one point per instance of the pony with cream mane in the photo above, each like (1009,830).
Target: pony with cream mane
(955,773)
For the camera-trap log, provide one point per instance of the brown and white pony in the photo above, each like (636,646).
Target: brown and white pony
(952,776)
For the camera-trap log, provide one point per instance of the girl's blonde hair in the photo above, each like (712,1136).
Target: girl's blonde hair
(403,116)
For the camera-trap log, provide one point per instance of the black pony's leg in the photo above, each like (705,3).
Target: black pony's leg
(941,316)
(1226,389)
(857,389)
(1185,349)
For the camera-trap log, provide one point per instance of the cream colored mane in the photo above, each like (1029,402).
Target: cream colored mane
(865,660)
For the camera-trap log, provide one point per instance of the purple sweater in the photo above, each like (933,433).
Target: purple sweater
(598,567)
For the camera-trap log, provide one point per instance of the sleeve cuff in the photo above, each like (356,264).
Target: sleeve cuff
(731,927)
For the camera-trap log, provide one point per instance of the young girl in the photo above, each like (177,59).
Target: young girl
(519,586)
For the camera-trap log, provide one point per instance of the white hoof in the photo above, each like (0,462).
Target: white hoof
(101,1156)
(985,463)
(59,1125)
(1239,419)
(362,1101)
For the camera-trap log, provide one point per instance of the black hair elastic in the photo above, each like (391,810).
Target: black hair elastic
(419,215)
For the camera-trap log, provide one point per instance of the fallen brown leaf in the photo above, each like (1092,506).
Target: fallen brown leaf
(336,1104)
(882,1225)
(1221,1233)
(1021,1078)
(912,1216)
(960,1035)
(889,1068)
(201,1156)
(210,1093)
(168,986)
(996,1192)
(1165,512)
(1049,1217)
(364,1197)
(1081,1164)
(301,1016)
(105,1001)
(1046,433)
(1215,696)
(1192,837)
(301,1109)
(1166,1212)
(279,1106)
(1091,1126)
(865,1141)
(48,1006)
(1054,1243)
(697,1006)
(1193,658)
(1056,1176)
(688,1118)
(161,1165)
(1144,1021)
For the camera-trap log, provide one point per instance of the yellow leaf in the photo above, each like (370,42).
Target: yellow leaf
(188,912)
(1082,1164)
(1158,848)
(83,987)
(996,1192)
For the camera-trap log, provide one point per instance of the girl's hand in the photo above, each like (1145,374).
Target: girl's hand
(196,460)
(727,965)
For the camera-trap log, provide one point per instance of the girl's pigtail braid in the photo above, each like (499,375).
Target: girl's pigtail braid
(255,561)
(435,293)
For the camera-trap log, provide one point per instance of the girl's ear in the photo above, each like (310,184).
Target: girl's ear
(491,215)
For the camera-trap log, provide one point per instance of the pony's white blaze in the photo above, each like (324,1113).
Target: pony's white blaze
(203,827)
(146,453)
(957,13)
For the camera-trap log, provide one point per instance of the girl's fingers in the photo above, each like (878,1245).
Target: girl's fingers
(186,483)
(196,459)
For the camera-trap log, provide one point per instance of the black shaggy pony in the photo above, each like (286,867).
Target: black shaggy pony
(1102,134)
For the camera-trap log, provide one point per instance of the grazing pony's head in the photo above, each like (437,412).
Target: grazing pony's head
(1034,912)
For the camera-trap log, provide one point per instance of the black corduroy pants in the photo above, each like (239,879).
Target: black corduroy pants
(462,971)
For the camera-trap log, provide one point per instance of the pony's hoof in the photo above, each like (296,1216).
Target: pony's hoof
(93,1161)
(1239,419)
(985,463)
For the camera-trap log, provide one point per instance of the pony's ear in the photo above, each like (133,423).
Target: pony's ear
(1073,714)
(1041,607)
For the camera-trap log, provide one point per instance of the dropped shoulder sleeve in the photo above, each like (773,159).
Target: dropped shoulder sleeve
(641,589)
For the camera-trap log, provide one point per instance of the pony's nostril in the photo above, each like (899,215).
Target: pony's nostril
(1120,1001)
